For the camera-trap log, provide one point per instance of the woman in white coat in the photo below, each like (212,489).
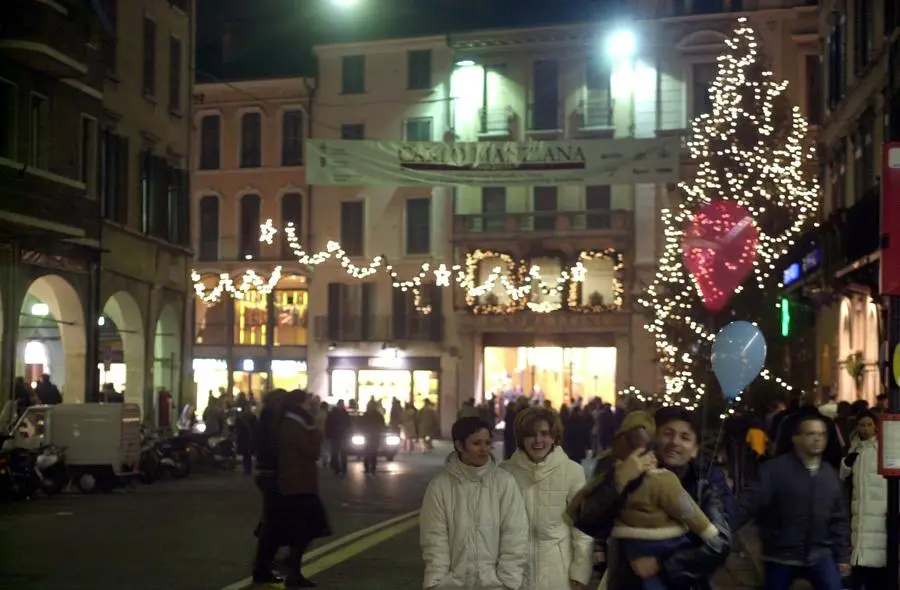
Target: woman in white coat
(868,509)
(560,556)
(473,527)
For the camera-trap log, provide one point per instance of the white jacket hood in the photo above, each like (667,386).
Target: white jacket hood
(473,529)
(557,552)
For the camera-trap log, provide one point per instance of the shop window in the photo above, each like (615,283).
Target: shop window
(250,319)
(291,307)
(210,380)
(249,380)
(557,375)
(598,287)
(211,324)
(289,375)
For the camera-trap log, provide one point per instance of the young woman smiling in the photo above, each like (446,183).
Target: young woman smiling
(559,556)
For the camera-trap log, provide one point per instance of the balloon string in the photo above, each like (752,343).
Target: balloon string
(715,452)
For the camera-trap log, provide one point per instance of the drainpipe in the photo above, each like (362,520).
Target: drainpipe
(311,91)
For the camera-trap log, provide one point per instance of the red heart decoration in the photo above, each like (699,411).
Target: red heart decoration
(719,248)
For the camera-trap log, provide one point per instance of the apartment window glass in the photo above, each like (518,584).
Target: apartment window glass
(114,162)
(864,34)
(251,140)
(418,226)
(418,70)
(598,202)
(545,90)
(545,208)
(598,104)
(292,138)
(249,236)
(110,8)
(88,155)
(210,133)
(708,6)
(208,246)
(353,131)
(9,120)
(836,52)
(418,129)
(39,131)
(813,89)
(175,75)
(291,303)
(867,172)
(149,61)
(291,212)
(353,74)
(702,76)
(493,208)
(352,227)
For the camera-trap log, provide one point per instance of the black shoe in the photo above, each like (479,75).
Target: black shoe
(267,578)
(300,582)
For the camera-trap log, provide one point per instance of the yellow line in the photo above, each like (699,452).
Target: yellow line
(354,549)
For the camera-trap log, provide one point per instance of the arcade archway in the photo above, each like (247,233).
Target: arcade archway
(167,353)
(122,347)
(51,337)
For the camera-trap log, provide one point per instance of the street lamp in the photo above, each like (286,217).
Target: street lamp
(622,44)
(345,3)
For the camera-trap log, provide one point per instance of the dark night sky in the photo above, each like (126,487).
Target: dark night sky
(272,38)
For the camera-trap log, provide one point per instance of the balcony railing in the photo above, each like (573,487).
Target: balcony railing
(538,223)
(412,328)
(546,117)
(496,120)
(41,36)
(596,112)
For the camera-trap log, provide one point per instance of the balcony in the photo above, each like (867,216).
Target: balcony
(50,37)
(542,224)
(413,328)
(496,121)
(43,200)
(595,113)
(545,119)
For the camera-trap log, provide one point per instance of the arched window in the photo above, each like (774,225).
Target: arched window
(249,235)
(208,241)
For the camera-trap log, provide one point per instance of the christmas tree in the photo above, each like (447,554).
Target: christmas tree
(750,148)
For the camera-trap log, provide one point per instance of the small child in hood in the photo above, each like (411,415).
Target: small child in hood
(658,513)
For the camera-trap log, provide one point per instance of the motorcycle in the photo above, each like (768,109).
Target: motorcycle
(19,478)
(174,456)
(50,466)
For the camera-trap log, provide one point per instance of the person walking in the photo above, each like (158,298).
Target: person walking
(561,555)
(868,507)
(799,504)
(473,525)
(293,515)
(337,428)
(372,426)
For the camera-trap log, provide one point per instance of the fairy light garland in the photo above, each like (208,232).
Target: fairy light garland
(522,283)
(761,178)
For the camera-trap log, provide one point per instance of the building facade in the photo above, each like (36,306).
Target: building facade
(251,324)
(95,145)
(832,278)
(517,323)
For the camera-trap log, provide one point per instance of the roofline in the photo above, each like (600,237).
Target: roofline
(305,81)
(336,48)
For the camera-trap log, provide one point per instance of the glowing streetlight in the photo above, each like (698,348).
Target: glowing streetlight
(622,44)
(345,3)
(465,63)
(40,309)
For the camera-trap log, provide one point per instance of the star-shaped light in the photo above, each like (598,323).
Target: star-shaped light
(442,276)
(267,232)
(579,272)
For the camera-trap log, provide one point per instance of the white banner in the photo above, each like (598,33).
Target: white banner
(492,163)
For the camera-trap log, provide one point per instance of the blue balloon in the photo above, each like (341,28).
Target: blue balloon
(738,355)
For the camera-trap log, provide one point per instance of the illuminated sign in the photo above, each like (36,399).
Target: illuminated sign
(808,264)
(791,274)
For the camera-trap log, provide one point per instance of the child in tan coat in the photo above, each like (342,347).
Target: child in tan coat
(658,513)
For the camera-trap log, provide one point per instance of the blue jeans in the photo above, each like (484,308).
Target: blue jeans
(823,575)
(661,548)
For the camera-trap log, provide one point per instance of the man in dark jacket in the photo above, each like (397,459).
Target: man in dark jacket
(685,569)
(798,503)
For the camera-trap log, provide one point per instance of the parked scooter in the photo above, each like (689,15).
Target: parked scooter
(50,465)
(174,458)
(18,476)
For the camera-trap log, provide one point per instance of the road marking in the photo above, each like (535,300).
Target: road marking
(371,531)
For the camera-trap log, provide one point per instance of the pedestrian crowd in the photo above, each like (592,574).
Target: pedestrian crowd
(663,514)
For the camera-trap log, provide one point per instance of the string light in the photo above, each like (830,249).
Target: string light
(767,177)
(522,284)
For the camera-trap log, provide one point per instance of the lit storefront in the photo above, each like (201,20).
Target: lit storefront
(254,343)
(384,377)
(556,374)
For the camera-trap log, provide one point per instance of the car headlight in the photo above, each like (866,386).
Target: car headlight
(357,440)
(392,440)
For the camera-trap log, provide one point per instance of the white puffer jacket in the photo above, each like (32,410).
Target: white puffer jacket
(473,529)
(868,509)
(557,552)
